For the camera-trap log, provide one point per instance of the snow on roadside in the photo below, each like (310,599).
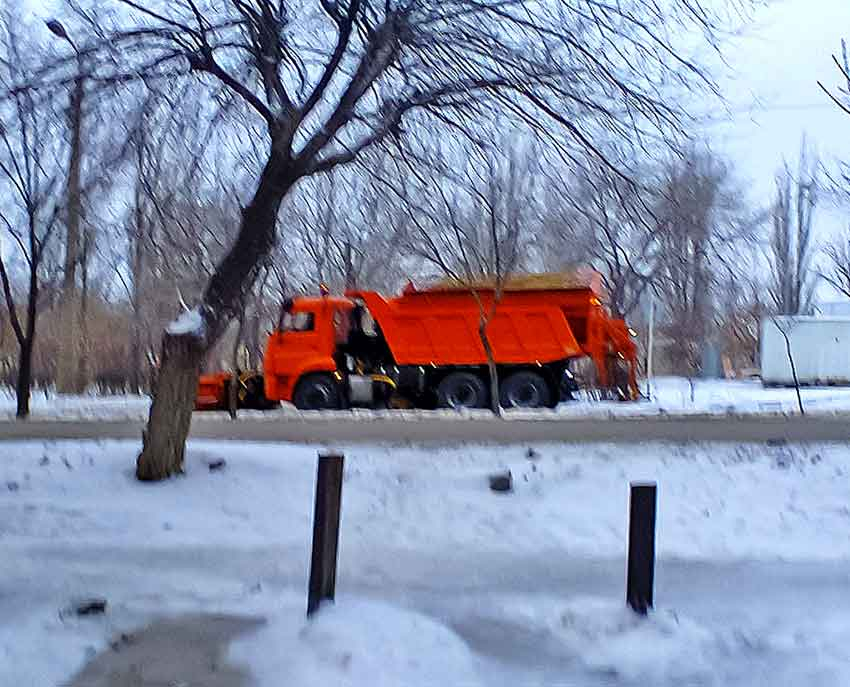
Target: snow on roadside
(358,643)
(73,522)
(671,397)
(83,407)
(716,501)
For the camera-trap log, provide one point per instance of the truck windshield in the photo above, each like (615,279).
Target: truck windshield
(298,322)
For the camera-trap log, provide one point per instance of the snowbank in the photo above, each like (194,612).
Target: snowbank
(357,643)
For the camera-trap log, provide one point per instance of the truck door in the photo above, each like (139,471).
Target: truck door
(296,341)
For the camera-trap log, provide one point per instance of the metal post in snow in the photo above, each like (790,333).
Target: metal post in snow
(326,515)
(641,557)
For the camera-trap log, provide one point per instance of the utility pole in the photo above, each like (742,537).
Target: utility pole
(650,344)
(70,372)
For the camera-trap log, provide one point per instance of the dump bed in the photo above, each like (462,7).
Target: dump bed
(533,322)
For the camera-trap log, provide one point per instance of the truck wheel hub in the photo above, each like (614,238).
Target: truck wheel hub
(525,396)
(464,396)
(319,397)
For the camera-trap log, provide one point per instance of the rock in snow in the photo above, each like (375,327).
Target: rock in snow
(92,606)
(501,481)
(217,464)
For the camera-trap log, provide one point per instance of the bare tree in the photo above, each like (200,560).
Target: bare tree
(786,325)
(349,229)
(604,220)
(841,97)
(472,232)
(741,307)
(700,215)
(791,247)
(837,270)
(70,375)
(325,83)
(30,141)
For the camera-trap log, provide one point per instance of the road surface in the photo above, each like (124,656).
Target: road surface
(440,430)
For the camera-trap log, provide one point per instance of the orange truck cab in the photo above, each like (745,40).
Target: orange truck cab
(550,335)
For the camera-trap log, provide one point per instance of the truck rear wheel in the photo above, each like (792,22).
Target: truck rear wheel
(462,390)
(525,390)
(317,392)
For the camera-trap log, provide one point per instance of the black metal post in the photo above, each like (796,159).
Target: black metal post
(325,530)
(641,572)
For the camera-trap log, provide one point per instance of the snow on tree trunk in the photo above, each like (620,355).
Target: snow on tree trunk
(186,341)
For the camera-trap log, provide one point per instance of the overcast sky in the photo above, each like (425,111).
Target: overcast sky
(774,92)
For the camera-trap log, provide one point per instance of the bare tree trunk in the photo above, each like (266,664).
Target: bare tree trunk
(233,389)
(82,368)
(137,274)
(182,354)
(24,384)
(135,376)
(164,439)
(790,355)
(495,406)
(27,344)
(68,361)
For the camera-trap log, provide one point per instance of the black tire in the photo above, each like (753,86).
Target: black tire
(254,392)
(525,390)
(317,392)
(462,390)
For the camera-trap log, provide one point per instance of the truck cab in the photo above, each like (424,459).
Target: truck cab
(304,347)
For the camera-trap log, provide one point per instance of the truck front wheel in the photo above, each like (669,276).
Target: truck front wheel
(317,392)
(462,390)
(525,390)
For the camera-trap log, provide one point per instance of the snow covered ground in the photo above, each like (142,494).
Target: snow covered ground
(53,406)
(441,581)
(670,395)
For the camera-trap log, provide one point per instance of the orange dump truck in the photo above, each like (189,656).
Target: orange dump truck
(550,335)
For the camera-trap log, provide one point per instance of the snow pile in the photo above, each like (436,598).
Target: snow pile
(358,644)
(40,648)
(188,322)
(607,638)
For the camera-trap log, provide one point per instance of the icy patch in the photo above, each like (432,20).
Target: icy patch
(356,643)
(189,322)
